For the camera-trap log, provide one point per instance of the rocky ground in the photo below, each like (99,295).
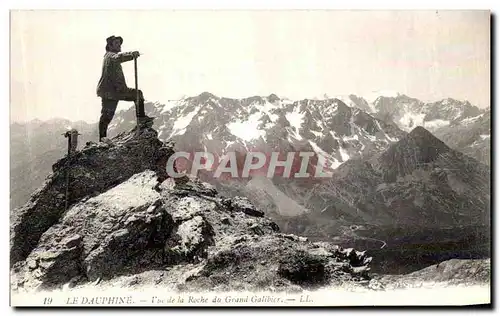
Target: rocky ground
(447,273)
(129,225)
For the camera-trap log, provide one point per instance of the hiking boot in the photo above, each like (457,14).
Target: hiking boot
(145,118)
(105,140)
(145,121)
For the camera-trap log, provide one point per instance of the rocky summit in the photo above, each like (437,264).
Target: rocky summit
(127,223)
(92,171)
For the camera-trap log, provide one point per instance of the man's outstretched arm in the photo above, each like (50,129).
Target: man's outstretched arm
(125,56)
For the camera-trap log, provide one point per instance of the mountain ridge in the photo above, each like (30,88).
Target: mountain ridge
(350,133)
(127,219)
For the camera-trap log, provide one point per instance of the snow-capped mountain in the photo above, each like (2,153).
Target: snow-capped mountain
(472,136)
(328,127)
(416,184)
(355,101)
(407,112)
(374,95)
(334,128)
(383,177)
(337,128)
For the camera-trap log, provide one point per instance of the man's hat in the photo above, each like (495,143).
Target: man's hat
(112,38)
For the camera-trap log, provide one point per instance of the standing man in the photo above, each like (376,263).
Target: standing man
(113,88)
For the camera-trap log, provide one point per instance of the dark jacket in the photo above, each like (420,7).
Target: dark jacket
(112,82)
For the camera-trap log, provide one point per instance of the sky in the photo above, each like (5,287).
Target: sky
(56,56)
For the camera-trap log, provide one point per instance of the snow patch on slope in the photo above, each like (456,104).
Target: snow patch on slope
(169,106)
(267,108)
(293,133)
(411,120)
(350,103)
(346,99)
(435,124)
(317,134)
(471,120)
(182,122)
(295,118)
(343,154)
(247,130)
(318,149)
(335,163)
(352,137)
(334,135)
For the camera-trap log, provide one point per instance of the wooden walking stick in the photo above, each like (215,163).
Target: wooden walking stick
(66,195)
(136,94)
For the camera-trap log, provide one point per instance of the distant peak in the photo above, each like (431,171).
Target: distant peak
(206,95)
(413,150)
(425,138)
(355,97)
(273,98)
(448,100)
(420,131)
(374,95)
(338,101)
(255,98)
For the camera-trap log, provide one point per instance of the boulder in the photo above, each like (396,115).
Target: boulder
(92,171)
